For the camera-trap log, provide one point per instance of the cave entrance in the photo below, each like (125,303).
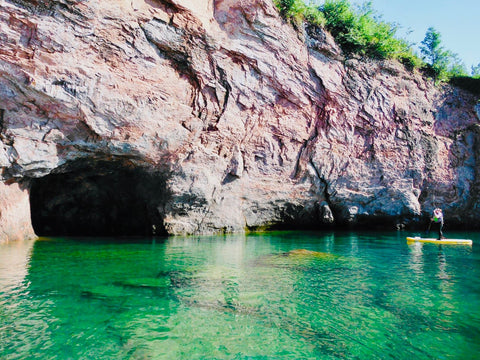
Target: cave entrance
(99,199)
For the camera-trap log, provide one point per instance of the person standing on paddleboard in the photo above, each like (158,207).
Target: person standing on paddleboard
(438,218)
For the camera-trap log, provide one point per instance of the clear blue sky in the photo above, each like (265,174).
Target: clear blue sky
(458,22)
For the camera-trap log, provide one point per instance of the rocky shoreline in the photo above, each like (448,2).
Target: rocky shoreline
(175,117)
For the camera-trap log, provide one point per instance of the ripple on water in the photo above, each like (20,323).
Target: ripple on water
(285,295)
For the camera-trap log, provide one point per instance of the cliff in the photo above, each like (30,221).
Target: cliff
(180,117)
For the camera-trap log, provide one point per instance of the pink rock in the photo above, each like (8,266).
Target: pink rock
(255,123)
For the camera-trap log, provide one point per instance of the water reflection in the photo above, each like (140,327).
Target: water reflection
(353,244)
(24,321)
(442,265)
(286,295)
(14,263)
(212,279)
(436,283)
(416,259)
(329,242)
(257,284)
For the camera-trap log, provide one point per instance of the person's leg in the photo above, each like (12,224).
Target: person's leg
(440,227)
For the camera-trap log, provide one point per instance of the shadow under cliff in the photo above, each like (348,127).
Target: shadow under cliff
(99,198)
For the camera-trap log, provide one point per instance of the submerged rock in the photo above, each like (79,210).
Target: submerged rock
(149,283)
(307,253)
(300,260)
(250,123)
(105,293)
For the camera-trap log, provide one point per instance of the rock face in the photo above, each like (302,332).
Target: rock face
(233,119)
(14,213)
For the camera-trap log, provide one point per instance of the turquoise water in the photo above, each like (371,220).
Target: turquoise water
(350,296)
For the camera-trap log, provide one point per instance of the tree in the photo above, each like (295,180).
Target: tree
(456,67)
(430,48)
(434,54)
(476,70)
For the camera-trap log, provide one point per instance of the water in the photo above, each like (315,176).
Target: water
(359,296)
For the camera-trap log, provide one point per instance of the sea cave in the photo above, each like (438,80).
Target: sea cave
(99,198)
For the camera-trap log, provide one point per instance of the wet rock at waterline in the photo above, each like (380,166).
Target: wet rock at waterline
(251,123)
(15,222)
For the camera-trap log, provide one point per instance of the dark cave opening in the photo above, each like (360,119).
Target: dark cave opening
(101,198)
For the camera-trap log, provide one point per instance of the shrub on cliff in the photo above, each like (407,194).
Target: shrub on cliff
(296,11)
(363,32)
(357,32)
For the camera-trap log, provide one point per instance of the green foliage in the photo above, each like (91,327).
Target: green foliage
(433,53)
(314,16)
(363,32)
(356,32)
(442,64)
(340,20)
(456,67)
(296,12)
(475,71)
(284,6)
(410,60)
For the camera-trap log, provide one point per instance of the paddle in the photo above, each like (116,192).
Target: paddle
(429,225)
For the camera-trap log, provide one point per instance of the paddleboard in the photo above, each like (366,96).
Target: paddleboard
(443,241)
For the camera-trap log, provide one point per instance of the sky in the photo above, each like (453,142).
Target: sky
(458,22)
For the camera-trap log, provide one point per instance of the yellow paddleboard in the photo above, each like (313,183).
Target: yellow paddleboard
(443,241)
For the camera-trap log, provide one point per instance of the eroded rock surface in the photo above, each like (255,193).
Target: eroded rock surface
(15,220)
(250,122)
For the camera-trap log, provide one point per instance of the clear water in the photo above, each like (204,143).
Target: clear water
(363,296)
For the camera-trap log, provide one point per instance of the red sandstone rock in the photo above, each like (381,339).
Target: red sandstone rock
(14,213)
(255,123)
